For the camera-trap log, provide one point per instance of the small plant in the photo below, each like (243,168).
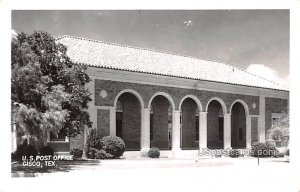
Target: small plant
(154,152)
(113,145)
(271,144)
(287,152)
(93,141)
(92,153)
(260,149)
(101,154)
(24,150)
(277,154)
(234,153)
(46,150)
(77,153)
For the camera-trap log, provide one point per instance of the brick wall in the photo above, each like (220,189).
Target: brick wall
(189,107)
(274,105)
(103,122)
(78,141)
(147,91)
(60,146)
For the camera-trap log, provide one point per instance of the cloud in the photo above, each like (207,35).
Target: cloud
(14,34)
(269,74)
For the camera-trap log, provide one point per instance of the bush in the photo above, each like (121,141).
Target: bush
(24,150)
(101,154)
(93,141)
(234,153)
(277,154)
(271,144)
(260,149)
(92,153)
(77,153)
(46,150)
(154,152)
(113,145)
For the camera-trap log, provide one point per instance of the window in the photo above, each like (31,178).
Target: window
(221,128)
(276,118)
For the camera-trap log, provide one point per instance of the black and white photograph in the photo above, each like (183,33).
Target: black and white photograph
(151,99)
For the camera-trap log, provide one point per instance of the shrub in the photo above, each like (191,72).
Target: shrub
(113,145)
(270,144)
(277,154)
(24,150)
(154,152)
(234,153)
(260,149)
(92,153)
(46,150)
(77,153)
(14,157)
(101,154)
(93,141)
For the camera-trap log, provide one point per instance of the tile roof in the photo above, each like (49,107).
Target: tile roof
(113,56)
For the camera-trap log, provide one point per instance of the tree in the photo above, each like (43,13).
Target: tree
(279,132)
(47,88)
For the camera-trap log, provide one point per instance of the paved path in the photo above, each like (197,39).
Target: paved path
(218,174)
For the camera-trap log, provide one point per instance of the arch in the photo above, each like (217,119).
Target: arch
(243,103)
(195,99)
(220,101)
(135,93)
(165,95)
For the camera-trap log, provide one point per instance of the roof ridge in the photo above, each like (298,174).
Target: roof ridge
(163,52)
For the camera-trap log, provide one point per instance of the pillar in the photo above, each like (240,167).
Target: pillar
(92,109)
(248,131)
(227,130)
(175,130)
(145,129)
(112,121)
(262,119)
(203,130)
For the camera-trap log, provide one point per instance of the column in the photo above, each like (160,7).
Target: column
(227,130)
(261,121)
(145,129)
(92,109)
(248,131)
(175,130)
(203,130)
(112,121)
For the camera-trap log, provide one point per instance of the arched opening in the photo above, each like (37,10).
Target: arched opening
(189,122)
(128,120)
(160,123)
(238,126)
(215,125)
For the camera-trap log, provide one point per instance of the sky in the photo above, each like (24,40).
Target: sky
(253,40)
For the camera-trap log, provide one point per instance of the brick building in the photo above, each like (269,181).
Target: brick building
(173,102)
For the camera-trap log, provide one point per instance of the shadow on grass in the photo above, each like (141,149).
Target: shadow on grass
(18,170)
